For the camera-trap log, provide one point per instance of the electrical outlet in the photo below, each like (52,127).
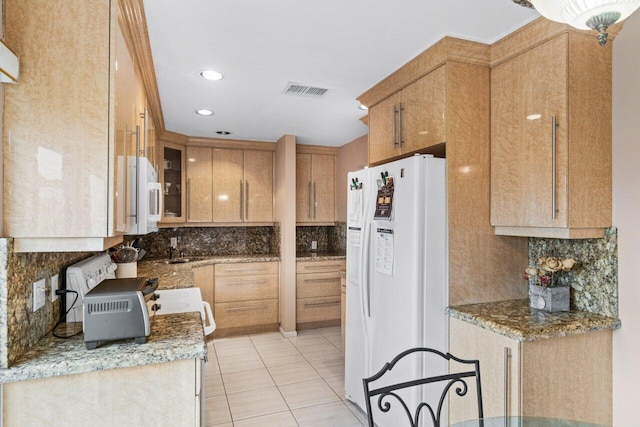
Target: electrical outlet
(39,292)
(314,245)
(54,287)
(174,242)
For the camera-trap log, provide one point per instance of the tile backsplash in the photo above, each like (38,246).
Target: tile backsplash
(20,327)
(594,281)
(210,241)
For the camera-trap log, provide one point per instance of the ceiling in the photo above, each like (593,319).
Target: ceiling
(259,46)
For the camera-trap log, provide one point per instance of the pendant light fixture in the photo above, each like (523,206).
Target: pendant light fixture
(586,14)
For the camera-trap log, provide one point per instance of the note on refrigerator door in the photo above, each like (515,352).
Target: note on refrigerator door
(384,251)
(356,205)
(355,236)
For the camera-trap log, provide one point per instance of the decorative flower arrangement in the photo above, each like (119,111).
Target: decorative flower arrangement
(545,274)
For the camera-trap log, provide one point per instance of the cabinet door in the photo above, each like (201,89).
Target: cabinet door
(468,341)
(383,139)
(124,125)
(423,112)
(173,180)
(258,186)
(323,187)
(304,191)
(199,184)
(228,185)
(204,279)
(527,93)
(58,175)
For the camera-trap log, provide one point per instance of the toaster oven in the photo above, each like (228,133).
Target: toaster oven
(117,309)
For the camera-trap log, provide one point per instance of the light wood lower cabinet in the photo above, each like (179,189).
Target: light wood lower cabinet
(564,377)
(113,397)
(318,301)
(246,297)
(204,279)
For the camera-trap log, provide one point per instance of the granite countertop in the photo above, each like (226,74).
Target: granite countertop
(319,256)
(516,320)
(180,275)
(173,337)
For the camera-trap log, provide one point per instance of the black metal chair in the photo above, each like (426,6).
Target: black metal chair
(385,393)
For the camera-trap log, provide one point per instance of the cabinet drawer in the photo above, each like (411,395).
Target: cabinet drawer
(317,285)
(304,267)
(317,309)
(246,313)
(246,268)
(245,288)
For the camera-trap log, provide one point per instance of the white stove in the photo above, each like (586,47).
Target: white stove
(84,276)
(87,274)
(184,300)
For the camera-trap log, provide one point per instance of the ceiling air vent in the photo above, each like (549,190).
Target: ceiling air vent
(297,89)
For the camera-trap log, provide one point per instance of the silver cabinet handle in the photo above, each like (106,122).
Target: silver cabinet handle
(321,304)
(395,133)
(245,269)
(241,199)
(246,197)
(507,356)
(554,125)
(248,307)
(315,201)
(313,267)
(188,199)
(256,283)
(135,215)
(400,109)
(331,279)
(310,201)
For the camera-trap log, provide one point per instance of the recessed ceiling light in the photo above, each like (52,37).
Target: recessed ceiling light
(211,75)
(204,112)
(363,107)
(223,132)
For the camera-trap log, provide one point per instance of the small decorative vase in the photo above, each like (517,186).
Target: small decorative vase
(551,299)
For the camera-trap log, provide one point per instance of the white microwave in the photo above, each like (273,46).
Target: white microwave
(145,196)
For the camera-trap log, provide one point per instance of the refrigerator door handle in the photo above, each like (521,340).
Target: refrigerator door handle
(366,271)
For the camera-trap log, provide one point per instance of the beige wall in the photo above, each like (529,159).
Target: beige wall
(626,216)
(351,157)
(285,215)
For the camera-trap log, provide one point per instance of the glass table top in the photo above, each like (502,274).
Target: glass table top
(524,422)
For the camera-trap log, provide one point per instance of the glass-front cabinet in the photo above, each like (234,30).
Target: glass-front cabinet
(173,177)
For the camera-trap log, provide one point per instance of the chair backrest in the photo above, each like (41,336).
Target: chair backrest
(385,394)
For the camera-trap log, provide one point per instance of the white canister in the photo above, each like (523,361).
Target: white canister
(127,270)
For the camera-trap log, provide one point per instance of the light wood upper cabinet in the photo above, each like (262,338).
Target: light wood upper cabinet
(60,155)
(199,184)
(409,120)
(258,182)
(224,185)
(423,112)
(228,185)
(383,137)
(315,188)
(550,149)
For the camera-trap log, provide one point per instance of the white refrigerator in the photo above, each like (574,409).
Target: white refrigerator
(396,275)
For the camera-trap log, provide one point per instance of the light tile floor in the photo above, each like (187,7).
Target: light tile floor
(266,380)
